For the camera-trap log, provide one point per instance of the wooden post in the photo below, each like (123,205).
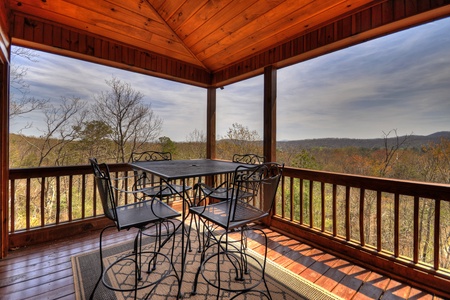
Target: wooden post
(211,124)
(4,146)
(270,113)
(270,120)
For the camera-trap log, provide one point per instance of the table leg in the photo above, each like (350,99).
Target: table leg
(183,243)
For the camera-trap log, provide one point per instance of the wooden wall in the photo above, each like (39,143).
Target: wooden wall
(371,22)
(58,39)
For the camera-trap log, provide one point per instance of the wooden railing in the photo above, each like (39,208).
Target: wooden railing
(41,197)
(398,227)
(54,202)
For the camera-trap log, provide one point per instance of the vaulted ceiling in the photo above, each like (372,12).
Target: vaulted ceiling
(208,42)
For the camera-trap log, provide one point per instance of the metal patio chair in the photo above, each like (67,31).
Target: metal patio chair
(224,190)
(141,215)
(222,255)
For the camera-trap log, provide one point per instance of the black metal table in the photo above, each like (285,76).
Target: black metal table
(171,170)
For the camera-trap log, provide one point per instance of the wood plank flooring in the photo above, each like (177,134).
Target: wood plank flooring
(44,271)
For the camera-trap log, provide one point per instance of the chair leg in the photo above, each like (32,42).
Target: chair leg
(197,226)
(235,254)
(269,296)
(101,262)
(137,261)
(203,246)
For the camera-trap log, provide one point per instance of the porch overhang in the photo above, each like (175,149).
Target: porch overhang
(208,43)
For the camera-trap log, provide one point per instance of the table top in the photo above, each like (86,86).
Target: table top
(179,169)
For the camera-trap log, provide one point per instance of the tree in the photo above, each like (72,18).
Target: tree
(390,152)
(62,123)
(167,145)
(304,159)
(195,145)
(93,137)
(132,122)
(20,102)
(239,139)
(437,156)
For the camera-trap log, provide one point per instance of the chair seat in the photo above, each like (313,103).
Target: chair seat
(219,213)
(142,213)
(165,190)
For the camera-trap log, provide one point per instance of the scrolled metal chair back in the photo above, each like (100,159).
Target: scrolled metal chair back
(103,181)
(264,176)
(142,179)
(150,156)
(249,158)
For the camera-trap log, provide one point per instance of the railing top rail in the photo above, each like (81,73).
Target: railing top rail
(396,186)
(39,172)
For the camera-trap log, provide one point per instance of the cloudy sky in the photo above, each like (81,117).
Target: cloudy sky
(400,82)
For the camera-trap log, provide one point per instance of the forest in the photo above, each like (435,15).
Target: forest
(390,158)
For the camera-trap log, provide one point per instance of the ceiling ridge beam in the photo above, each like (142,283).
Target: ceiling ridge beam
(161,19)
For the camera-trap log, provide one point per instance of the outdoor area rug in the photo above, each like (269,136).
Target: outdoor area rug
(282,283)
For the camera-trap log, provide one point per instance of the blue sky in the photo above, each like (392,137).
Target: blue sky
(400,82)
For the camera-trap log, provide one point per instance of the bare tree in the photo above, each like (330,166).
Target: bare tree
(391,151)
(133,123)
(61,128)
(20,101)
(239,139)
(196,144)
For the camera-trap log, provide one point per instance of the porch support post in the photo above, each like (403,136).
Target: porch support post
(211,124)
(4,129)
(270,121)
(270,113)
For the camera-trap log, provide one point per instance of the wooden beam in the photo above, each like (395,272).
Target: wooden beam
(211,123)
(270,113)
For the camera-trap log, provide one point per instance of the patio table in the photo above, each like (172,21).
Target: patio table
(171,170)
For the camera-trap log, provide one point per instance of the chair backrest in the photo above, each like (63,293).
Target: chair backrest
(142,179)
(103,181)
(150,156)
(249,158)
(265,176)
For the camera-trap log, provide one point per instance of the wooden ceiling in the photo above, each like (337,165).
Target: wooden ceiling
(212,41)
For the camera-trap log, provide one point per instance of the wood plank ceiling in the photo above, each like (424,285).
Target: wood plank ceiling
(210,36)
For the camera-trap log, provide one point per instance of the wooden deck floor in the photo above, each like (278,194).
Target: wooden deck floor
(44,271)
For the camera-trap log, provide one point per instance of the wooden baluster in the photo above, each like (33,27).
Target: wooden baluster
(362,193)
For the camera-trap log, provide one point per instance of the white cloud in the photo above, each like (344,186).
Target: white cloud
(395,82)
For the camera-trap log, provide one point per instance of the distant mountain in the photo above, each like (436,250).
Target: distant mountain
(412,141)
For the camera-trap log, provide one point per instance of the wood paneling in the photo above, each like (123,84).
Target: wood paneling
(355,27)
(97,49)
(131,24)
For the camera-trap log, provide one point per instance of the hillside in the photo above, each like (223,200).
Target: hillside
(413,141)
